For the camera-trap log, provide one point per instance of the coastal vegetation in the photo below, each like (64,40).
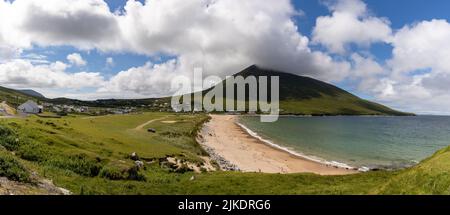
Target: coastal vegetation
(115,154)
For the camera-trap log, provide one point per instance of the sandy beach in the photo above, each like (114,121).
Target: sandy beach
(232,143)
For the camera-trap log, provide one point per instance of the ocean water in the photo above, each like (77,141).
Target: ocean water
(357,141)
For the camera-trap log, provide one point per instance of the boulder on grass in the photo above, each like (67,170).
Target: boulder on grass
(134,156)
(139,164)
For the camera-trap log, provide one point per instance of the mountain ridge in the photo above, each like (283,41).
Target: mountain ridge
(31,92)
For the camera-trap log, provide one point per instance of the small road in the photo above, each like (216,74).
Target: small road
(7,117)
(141,126)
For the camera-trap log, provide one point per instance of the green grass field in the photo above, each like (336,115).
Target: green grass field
(91,155)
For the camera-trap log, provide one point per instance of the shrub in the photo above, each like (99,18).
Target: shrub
(8,138)
(115,173)
(80,164)
(134,174)
(14,124)
(62,113)
(33,152)
(112,173)
(12,169)
(171,134)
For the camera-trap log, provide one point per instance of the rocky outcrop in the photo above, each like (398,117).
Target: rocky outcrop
(42,187)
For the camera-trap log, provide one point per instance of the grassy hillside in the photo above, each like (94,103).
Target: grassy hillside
(91,155)
(14,97)
(431,176)
(308,96)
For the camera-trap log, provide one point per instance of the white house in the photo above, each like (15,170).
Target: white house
(30,107)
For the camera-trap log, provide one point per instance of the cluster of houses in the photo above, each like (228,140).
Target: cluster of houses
(66,108)
(31,107)
(124,110)
(159,105)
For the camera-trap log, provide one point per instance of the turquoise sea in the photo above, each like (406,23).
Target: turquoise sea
(365,142)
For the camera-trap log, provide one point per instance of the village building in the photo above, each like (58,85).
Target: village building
(30,107)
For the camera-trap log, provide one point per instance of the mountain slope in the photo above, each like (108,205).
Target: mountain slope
(307,96)
(32,93)
(15,97)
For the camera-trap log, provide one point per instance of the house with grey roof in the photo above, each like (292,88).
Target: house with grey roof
(30,107)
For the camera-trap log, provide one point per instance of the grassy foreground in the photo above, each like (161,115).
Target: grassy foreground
(91,155)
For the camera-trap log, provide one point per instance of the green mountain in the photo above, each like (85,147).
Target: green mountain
(15,97)
(301,95)
(32,93)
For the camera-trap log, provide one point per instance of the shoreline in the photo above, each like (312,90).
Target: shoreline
(235,148)
(294,153)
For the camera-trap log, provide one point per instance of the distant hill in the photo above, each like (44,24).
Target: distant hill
(32,93)
(299,95)
(15,97)
(18,97)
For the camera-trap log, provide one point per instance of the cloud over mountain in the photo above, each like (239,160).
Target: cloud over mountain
(223,37)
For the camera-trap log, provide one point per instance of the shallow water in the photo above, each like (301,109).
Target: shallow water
(358,141)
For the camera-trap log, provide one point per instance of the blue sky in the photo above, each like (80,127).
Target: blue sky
(399,12)
(387,51)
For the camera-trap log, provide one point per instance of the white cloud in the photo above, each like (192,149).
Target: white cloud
(365,66)
(35,58)
(76,59)
(148,80)
(367,72)
(221,36)
(84,24)
(420,68)
(422,46)
(350,23)
(225,36)
(110,62)
(23,74)
(249,33)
